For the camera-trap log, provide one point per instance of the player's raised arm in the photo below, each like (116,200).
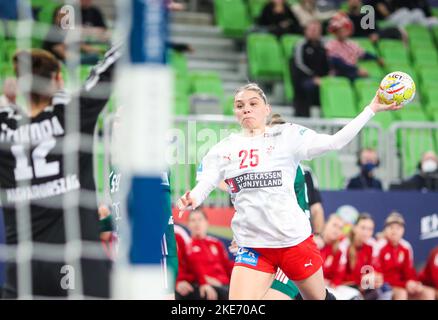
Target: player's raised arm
(97,89)
(318,144)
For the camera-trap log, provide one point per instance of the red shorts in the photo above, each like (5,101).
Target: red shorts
(298,262)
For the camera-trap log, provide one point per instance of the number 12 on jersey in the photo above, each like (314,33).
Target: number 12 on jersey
(248,158)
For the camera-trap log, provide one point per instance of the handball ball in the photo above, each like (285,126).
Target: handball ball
(397,87)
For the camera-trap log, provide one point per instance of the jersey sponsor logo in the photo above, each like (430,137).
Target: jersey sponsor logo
(255,180)
(275,134)
(247,256)
(45,190)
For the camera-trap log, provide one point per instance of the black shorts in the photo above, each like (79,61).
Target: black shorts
(54,279)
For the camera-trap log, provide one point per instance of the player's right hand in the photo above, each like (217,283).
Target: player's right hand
(185,203)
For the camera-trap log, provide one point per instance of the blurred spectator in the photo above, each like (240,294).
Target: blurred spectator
(373,33)
(429,274)
(56,43)
(9,96)
(186,276)
(330,251)
(308,64)
(404,12)
(93,21)
(307,11)
(361,268)
(208,261)
(91,16)
(397,264)
(427,177)
(334,259)
(278,18)
(343,53)
(367,161)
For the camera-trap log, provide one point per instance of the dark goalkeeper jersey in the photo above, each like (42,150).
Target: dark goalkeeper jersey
(33,166)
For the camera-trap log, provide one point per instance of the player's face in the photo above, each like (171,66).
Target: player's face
(364,230)
(198,224)
(394,232)
(250,109)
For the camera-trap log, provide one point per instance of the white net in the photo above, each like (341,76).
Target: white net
(50,138)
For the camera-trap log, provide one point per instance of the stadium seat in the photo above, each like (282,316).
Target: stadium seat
(206,83)
(255,8)
(430,95)
(288,85)
(229,106)
(178,61)
(424,56)
(288,43)
(366,88)
(265,57)
(412,112)
(365,91)
(374,70)
(45,15)
(366,44)
(427,74)
(9,49)
(328,171)
(414,142)
(232,17)
(337,98)
(419,36)
(393,51)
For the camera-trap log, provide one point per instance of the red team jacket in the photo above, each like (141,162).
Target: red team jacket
(202,257)
(334,264)
(429,275)
(364,257)
(185,272)
(396,263)
(208,257)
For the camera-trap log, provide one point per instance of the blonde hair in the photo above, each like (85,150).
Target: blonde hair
(252,87)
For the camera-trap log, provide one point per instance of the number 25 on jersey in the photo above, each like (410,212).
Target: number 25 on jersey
(248,158)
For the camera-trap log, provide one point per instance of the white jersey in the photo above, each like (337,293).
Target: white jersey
(260,173)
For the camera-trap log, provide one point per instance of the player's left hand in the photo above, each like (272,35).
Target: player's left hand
(377,106)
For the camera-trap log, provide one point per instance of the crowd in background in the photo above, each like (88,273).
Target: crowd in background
(359,264)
